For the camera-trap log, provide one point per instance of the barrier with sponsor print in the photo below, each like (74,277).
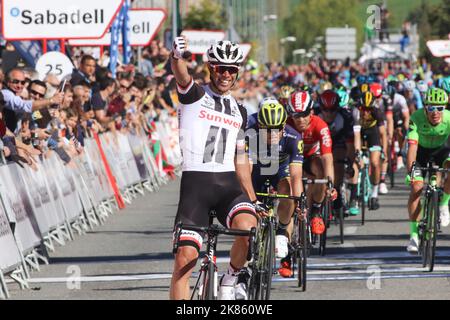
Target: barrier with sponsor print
(45,207)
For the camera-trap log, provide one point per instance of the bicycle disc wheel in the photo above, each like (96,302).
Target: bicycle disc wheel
(302,254)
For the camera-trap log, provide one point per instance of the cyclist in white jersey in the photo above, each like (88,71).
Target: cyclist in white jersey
(215,165)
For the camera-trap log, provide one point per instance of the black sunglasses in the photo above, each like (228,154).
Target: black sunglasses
(301,114)
(223,69)
(125,87)
(37,93)
(22,82)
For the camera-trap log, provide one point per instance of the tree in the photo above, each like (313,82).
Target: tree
(310,18)
(206,15)
(433,23)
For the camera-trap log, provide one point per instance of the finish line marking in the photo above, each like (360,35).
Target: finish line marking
(344,275)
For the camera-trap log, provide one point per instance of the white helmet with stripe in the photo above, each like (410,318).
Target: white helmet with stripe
(225,53)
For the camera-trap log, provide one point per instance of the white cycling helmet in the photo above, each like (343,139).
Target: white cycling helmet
(410,85)
(422,86)
(225,53)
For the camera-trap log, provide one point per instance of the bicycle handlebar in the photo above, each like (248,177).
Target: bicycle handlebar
(430,168)
(278,196)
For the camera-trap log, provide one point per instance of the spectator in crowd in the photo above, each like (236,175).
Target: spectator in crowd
(86,73)
(100,99)
(146,64)
(15,106)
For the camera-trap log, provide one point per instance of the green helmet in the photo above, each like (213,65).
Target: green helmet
(436,96)
(344,98)
(272,114)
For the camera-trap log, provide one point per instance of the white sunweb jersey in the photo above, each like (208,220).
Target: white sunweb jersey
(211,128)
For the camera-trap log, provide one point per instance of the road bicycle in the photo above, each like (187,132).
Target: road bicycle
(300,244)
(429,224)
(364,186)
(206,286)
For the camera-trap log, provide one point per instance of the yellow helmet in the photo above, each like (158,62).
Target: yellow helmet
(367,100)
(272,114)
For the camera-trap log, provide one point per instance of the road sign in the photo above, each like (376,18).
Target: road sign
(50,19)
(199,41)
(144,25)
(54,62)
(340,43)
(439,48)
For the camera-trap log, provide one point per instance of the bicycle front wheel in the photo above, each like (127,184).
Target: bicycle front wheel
(268,262)
(302,254)
(326,211)
(433,229)
(362,195)
(211,292)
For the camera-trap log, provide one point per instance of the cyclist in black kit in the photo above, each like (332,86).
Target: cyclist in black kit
(215,164)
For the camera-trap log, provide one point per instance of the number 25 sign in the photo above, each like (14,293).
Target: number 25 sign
(54,63)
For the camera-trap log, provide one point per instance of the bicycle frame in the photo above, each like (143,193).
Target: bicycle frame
(364,185)
(207,289)
(429,223)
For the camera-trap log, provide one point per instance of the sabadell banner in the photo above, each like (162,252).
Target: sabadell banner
(50,19)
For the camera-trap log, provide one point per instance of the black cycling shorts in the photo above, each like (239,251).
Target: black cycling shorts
(372,137)
(202,192)
(438,155)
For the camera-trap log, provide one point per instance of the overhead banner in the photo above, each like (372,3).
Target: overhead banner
(144,24)
(50,19)
(199,41)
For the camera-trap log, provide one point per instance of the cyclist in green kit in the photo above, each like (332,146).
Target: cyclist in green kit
(429,130)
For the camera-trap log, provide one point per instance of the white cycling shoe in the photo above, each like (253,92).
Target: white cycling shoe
(281,246)
(226,290)
(444,215)
(383,188)
(413,246)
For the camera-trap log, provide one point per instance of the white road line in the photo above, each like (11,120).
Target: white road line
(102,278)
(350,230)
(347,278)
(344,274)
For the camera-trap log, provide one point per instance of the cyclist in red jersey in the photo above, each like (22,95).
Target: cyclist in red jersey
(317,152)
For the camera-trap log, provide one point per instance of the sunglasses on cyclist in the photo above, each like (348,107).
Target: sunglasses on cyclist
(22,82)
(301,114)
(222,69)
(37,93)
(435,108)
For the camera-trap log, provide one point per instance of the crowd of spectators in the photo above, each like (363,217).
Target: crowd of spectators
(38,117)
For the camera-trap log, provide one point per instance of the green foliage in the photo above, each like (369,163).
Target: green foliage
(433,22)
(310,18)
(206,15)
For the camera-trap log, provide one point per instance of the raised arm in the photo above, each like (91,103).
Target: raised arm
(178,64)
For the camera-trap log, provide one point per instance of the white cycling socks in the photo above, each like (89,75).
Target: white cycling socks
(375,191)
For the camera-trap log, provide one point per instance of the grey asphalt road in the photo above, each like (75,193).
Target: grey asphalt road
(129,257)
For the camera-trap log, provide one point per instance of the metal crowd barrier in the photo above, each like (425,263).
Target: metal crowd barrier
(42,209)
